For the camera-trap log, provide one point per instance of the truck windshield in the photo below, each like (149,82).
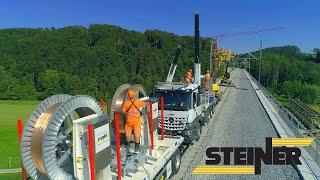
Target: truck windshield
(176,101)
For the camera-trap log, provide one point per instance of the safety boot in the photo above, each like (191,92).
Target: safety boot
(137,148)
(127,146)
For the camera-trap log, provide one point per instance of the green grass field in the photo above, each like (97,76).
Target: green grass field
(12,176)
(316,108)
(10,111)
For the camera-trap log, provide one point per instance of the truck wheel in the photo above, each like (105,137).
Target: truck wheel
(176,162)
(198,132)
(210,115)
(211,112)
(208,118)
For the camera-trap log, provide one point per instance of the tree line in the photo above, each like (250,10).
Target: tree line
(289,72)
(94,60)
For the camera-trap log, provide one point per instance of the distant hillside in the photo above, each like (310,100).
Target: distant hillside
(288,71)
(36,63)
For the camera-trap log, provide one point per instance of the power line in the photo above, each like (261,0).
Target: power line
(129,59)
(246,33)
(123,11)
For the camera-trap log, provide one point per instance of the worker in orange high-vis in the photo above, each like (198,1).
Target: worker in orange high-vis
(189,74)
(132,108)
(187,78)
(207,77)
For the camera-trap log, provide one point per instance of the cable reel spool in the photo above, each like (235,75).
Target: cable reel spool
(121,95)
(119,98)
(46,146)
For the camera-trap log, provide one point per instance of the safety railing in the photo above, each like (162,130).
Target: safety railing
(298,129)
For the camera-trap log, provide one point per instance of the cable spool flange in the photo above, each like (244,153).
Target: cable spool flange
(120,95)
(119,98)
(140,91)
(83,106)
(33,130)
(46,146)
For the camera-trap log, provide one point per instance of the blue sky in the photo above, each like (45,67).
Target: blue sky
(300,19)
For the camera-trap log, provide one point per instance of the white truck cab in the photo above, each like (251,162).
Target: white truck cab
(187,107)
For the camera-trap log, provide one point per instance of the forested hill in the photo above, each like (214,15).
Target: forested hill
(36,63)
(289,72)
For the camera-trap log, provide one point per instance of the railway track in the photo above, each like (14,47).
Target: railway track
(239,120)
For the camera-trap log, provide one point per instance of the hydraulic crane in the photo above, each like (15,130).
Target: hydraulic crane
(173,66)
(187,106)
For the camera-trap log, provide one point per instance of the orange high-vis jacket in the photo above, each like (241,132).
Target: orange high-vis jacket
(207,76)
(132,108)
(187,77)
(186,80)
(189,74)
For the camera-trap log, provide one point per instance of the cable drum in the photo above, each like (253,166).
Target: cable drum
(119,98)
(37,135)
(120,95)
(33,132)
(82,106)
(46,146)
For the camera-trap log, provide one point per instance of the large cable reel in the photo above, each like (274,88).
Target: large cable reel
(120,96)
(46,146)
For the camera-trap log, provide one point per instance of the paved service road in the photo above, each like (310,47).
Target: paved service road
(5,171)
(239,120)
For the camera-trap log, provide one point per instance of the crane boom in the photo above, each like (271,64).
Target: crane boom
(173,66)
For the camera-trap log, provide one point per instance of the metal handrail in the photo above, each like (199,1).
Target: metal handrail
(293,123)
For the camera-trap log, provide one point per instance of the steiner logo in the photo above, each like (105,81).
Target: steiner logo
(247,160)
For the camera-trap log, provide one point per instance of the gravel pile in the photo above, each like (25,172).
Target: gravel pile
(239,120)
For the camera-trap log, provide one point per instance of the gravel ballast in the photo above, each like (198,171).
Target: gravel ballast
(239,121)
